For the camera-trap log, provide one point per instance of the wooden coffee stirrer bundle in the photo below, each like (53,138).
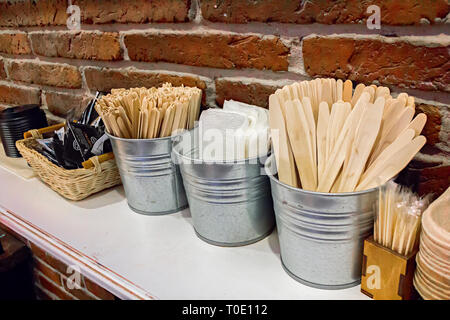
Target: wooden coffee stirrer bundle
(141,113)
(341,142)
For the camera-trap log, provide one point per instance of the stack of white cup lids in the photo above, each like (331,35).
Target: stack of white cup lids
(432,277)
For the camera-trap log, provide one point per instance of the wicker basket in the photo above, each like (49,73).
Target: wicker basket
(73,184)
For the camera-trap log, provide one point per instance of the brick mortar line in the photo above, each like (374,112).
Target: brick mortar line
(12,31)
(63,277)
(250,80)
(206,29)
(170,68)
(16,85)
(52,295)
(441,160)
(441,40)
(53,117)
(295,59)
(267,28)
(87,292)
(438,98)
(84,84)
(45,264)
(209,75)
(56,90)
(31,44)
(196,13)
(25,85)
(203,73)
(44,100)
(123,47)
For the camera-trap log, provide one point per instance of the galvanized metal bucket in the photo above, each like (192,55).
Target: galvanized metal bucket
(230,202)
(152,182)
(322,235)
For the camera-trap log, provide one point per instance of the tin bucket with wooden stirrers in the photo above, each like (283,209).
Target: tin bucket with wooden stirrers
(333,148)
(141,124)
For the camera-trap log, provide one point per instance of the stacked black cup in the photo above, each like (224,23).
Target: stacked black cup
(15,121)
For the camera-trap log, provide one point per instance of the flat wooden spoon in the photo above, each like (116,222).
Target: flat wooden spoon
(300,141)
(322,126)
(418,123)
(362,145)
(339,90)
(400,125)
(282,149)
(402,140)
(347,94)
(358,91)
(334,163)
(394,164)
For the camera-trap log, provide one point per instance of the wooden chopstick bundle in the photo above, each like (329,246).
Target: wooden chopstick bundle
(340,140)
(141,113)
(397,223)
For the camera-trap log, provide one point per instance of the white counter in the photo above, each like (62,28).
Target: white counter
(145,257)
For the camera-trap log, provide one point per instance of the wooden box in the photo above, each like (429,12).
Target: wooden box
(386,274)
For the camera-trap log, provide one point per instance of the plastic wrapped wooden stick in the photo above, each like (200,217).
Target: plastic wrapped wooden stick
(397,223)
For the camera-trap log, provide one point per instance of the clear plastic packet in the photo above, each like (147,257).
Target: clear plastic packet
(398,218)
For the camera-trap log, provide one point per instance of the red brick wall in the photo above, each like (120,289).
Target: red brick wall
(239,49)
(50,276)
